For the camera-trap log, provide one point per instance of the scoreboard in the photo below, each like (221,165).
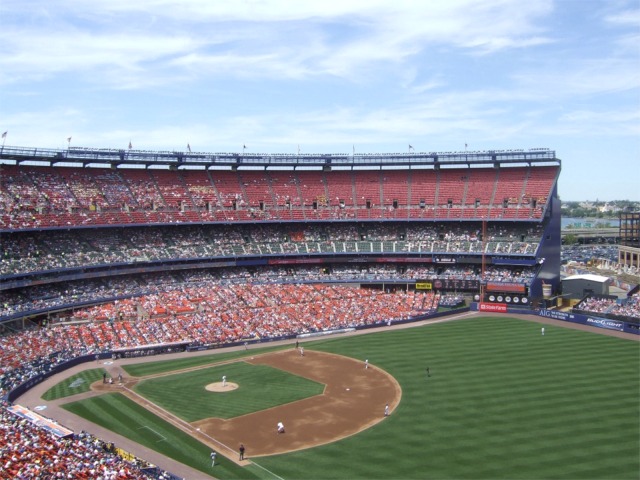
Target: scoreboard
(448,284)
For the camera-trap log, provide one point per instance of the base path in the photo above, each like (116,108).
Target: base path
(353,400)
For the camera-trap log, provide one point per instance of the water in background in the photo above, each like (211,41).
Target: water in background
(589,222)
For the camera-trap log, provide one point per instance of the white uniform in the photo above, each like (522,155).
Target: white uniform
(224,380)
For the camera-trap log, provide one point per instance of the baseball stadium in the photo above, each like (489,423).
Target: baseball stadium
(171,315)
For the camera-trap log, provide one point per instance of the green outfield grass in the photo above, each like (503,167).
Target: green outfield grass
(502,402)
(75,384)
(275,387)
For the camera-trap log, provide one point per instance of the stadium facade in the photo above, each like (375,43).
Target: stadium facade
(485,224)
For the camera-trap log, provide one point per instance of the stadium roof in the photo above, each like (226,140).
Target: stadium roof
(115,158)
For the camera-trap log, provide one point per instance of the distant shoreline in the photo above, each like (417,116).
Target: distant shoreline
(588,222)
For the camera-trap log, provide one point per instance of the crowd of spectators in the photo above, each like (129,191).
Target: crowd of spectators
(28,451)
(71,294)
(596,304)
(25,252)
(451,300)
(207,313)
(32,197)
(202,314)
(629,307)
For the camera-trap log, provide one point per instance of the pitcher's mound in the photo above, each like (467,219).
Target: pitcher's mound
(217,387)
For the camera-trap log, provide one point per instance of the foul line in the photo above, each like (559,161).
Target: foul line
(185,426)
(266,470)
(157,433)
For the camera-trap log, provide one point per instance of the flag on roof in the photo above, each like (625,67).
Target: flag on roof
(189,147)
(4,135)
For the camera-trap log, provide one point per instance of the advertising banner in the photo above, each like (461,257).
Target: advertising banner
(40,421)
(493,307)
(584,319)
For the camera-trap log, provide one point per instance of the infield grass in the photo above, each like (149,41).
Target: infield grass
(275,386)
(502,402)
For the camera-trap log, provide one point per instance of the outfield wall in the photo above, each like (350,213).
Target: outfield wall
(589,320)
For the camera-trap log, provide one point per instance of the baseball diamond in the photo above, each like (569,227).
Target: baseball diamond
(350,402)
(333,415)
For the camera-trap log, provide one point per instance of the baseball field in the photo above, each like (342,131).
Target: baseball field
(500,401)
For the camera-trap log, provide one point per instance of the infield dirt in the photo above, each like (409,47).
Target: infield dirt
(353,400)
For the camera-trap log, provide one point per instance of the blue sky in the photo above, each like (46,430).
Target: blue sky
(332,76)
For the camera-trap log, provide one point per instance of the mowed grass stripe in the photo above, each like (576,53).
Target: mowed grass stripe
(503,401)
(79,383)
(260,387)
(116,412)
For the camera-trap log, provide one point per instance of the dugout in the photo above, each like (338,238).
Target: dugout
(580,286)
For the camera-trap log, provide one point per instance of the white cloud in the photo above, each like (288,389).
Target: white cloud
(582,77)
(626,18)
(273,38)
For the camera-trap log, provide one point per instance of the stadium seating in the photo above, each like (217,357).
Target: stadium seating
(153,258)
(36,197)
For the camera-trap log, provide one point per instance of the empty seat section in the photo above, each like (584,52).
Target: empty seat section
(451,187)
(229,188)
(480,185)
(423,187)
(539,184)
(339,188)
(395,187)
(509,187)
(367,185)
(284,188)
